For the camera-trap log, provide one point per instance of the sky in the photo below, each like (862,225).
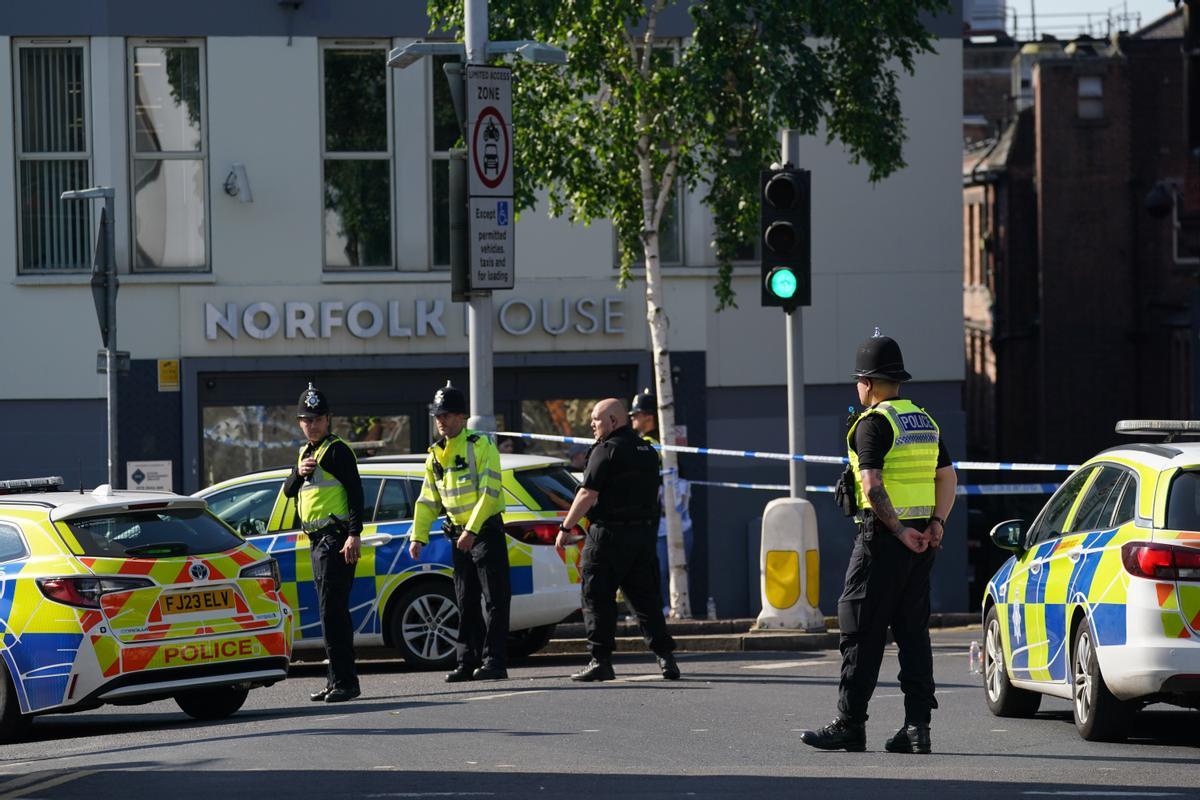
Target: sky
(1150,10)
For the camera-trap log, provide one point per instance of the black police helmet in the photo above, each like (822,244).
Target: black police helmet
(312,403)
(448,400)
(880,357)
(644,403)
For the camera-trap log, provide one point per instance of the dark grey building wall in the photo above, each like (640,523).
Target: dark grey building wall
(755,419)
(68,438)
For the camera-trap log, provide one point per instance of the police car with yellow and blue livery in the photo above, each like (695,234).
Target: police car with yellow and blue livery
(1100,602)
(405,604)
(128,597)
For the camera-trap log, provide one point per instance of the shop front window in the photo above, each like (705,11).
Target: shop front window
(571,417)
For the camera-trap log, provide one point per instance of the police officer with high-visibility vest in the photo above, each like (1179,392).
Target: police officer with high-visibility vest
(463,479)
(329,504)
(904,487)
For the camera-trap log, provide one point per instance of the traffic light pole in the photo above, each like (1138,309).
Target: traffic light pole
(797,474)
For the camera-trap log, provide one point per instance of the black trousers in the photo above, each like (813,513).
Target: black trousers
(887,586)
(484,594)
(622,557)
(333,578)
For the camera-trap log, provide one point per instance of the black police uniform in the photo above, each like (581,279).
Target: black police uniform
(332,575)
(887,585)
(619,551)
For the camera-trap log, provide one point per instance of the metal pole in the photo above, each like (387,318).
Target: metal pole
(479,309)
(110,357)
(797,474)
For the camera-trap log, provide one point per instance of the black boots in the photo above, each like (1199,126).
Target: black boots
(670,670)
(463,672)
(909,739)
(490,672)
(841,734)
(595,671)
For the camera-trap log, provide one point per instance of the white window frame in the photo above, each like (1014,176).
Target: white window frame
(21,156)
(202,154)
(359,44)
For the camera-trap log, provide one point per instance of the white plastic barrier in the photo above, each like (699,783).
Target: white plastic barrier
(789,564)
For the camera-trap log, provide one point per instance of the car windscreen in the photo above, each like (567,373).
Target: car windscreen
(552,488)
(160,533)
(1183,502)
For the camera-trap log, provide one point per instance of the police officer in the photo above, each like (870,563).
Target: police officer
(643,415)
(329,503)
(904,489)
(462,476)
(620,496)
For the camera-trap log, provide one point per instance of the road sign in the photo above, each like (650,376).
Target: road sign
(490,243)
(489,131)
(155,475)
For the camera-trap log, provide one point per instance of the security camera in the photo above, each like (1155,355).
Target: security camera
(237,184)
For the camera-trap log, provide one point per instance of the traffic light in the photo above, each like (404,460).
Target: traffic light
(785,222)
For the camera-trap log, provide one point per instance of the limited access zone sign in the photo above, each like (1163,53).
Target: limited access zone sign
(490,186)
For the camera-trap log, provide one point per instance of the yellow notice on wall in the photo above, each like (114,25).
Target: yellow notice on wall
(168,374)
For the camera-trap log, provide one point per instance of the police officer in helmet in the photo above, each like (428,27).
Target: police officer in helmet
(462,479)
(643,415)
(904,488)
(620,496)
(329,503)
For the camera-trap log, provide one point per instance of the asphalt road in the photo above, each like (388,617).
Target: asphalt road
(729,729)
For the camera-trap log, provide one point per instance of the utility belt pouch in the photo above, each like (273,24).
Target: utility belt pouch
(843,493)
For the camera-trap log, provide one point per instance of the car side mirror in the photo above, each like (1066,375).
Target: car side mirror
(1009,535)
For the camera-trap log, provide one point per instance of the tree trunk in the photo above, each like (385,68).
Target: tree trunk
(652,202)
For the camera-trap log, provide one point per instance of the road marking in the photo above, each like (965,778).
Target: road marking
(699,730)
(22,791)
(433,794)
(504,694)
(788,664)
(939,691)
(386,767)
(590,730)
(633,678)
(999,730)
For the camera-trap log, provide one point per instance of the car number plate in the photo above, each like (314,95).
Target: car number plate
(192,602)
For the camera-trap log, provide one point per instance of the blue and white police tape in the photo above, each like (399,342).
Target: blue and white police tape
(1006,466)
(977,489)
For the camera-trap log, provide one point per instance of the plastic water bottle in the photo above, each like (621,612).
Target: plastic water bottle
(974,659)
(712,608)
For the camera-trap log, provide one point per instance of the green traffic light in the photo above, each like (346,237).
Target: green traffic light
(782,283)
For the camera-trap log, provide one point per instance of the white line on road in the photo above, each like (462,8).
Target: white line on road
(504,694)
(590,730)
(939,691)
(788,664)
(23,791)
(433,794)
(698,730)
(633,678)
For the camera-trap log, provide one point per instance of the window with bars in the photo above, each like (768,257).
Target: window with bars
(53,148)
(169,154)
(356,159)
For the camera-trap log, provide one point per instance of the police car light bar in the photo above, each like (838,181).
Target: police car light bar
(19,485)
(1169,428)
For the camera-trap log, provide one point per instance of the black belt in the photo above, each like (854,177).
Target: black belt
(627,523)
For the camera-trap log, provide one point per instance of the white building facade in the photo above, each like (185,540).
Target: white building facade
(335,271)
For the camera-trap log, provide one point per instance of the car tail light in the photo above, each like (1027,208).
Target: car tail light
(540,531)
(85,592)
(263,570)
(1161,561)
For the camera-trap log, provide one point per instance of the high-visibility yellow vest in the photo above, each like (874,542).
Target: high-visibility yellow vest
(462,477)
(909,466)
(322,496)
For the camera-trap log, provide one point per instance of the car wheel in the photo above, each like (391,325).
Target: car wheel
(1099,717)
(12,722)
(529,641)
(1003,699)
(217,702)
(424,622)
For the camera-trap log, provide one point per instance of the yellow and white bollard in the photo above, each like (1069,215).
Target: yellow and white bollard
(790,567)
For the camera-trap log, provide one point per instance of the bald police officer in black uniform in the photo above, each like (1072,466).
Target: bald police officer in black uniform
(329,504)
(620,497)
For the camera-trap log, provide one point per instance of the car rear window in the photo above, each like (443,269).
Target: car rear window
(159,533)
(552,488)
(1183,502)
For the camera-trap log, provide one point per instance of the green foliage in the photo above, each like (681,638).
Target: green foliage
(712,116)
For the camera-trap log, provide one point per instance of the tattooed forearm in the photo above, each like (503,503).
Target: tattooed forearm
(881,504)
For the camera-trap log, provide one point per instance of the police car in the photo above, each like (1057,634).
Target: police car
(1100,602)
(409,605)
(128,597)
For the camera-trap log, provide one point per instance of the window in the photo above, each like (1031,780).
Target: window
(356,148)
(396,502)
(1127,506)
(153,534)
(1183,502)
(1091,97)
(1054,516)
(444,135)
(1095,510)
(568,417)
(552,488)
(170,155)
(12,546)
(246,508)
(53,142)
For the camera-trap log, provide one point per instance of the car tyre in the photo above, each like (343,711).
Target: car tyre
(1099,716)
(13,723)
(217,702)
(1003,699)
(527,642)
(424,623)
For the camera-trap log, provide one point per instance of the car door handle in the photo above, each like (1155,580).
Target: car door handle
(376,539)
(1035,567)
(1075,554)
